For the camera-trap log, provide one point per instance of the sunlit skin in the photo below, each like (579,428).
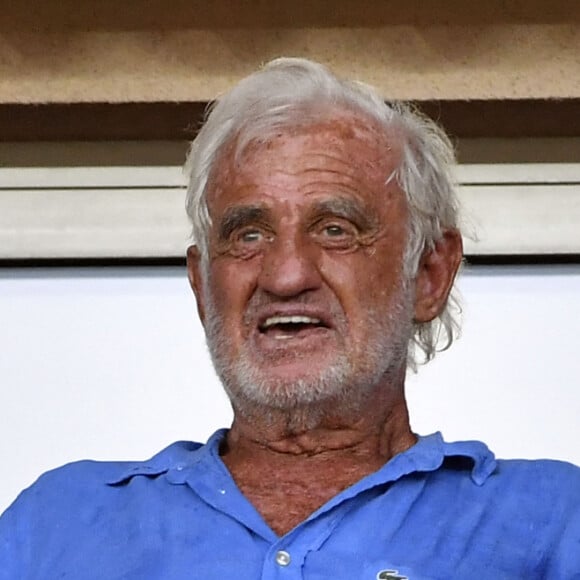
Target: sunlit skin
(307,225)
(304,223)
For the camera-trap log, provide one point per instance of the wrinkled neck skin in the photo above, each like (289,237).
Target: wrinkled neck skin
(289,463)
(367,432)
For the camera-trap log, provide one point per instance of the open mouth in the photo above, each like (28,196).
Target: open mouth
(285,327)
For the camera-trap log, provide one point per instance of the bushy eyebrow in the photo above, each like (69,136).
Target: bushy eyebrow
(347,208)
(239,216)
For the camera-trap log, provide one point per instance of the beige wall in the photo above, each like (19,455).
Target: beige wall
(61,51)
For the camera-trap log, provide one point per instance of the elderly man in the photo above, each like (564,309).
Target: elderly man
(326,247)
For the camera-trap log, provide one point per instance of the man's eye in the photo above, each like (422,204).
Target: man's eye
(334,231)
(250,236)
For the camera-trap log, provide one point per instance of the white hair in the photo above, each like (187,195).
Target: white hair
(291,92)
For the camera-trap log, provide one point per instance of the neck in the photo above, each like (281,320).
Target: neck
(377,421)
(283,458)
(376,432)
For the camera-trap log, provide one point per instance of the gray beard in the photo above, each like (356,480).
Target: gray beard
(342,383)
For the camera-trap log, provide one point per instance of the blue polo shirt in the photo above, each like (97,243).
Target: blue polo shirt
(437,511)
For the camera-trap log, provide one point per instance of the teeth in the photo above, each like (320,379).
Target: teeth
(289,320)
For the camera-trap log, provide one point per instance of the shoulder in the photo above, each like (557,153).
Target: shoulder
(539,476)
(540,467)
(539,490)
(530,505)
(76,502)
(87,478)
(546,492)
(88,470)
(536,476)
(538,500)
(544,496)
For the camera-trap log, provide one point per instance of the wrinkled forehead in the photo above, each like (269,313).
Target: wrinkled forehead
(352,144)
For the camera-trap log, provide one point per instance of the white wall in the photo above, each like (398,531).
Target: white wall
(111,364)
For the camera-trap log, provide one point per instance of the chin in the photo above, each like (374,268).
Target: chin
(284,386)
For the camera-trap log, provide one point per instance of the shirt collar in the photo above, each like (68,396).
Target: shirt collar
(177,456)
(431,451)
(428,454)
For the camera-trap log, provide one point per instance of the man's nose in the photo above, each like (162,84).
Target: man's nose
(290,267)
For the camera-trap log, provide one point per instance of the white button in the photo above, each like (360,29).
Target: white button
(282,558)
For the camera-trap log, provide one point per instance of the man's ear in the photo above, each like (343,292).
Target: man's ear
(194,273)
(435,275)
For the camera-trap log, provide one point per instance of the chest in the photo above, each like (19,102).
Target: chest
(360,538)
(284,505)
(288,496)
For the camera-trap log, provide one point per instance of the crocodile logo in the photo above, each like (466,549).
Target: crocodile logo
(390,575)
